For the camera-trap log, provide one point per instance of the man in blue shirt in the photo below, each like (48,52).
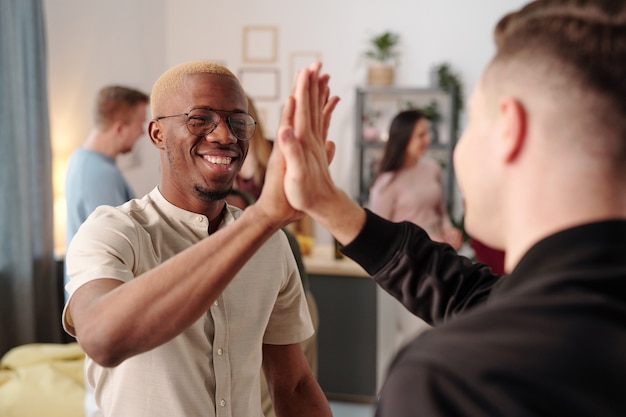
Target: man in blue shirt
(93,178)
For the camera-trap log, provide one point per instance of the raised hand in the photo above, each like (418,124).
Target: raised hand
(302,138)
(306,153)
(306,117)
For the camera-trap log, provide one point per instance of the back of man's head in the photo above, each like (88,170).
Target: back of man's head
(573,52)
(114,103)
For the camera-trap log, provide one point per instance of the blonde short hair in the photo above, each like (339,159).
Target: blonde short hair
(171,82)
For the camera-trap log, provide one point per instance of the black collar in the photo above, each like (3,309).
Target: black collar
(579,252)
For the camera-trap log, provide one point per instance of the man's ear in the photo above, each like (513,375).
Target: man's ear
(156,134)
(117,127)
(513,127)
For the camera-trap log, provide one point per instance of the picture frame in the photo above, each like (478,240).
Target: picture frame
(260,44)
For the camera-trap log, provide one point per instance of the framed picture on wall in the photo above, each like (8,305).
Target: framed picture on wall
(260,44)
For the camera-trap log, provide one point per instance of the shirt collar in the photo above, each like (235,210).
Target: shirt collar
(580,248)
(195,220)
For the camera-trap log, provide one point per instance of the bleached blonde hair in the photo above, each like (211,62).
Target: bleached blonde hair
(171,82)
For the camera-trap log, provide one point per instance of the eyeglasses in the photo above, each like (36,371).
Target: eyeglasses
(201,122)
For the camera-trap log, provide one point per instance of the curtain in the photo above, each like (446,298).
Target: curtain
(29,306)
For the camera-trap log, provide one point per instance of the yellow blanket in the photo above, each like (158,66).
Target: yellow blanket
(42,380)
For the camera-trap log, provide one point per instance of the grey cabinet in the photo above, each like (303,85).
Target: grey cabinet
(347,336)
(356,336)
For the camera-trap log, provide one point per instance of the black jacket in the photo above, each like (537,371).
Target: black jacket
(547,340)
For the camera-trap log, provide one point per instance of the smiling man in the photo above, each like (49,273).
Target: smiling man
(177,298)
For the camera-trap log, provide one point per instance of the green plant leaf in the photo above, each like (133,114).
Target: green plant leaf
(382,46)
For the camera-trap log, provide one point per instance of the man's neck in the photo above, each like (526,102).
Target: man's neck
(546,214)
(100,142)
(187,200)
(215,222)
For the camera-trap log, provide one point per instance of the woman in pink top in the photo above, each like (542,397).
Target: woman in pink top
(409,183)
(409,187)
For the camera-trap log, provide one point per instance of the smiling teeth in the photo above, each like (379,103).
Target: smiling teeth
(219,160)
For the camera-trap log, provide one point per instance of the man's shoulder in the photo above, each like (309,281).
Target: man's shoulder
(82,154)
(137,204)
(86,163)
(133,210)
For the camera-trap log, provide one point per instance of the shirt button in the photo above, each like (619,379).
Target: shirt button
(199,219)
(220,352)
(222,403)
(215,303)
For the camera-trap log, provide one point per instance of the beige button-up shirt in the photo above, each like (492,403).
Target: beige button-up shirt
(213,367)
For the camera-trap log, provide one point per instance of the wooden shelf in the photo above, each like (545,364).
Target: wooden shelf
(322,261)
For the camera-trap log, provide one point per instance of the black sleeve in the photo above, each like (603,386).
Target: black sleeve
(429,278)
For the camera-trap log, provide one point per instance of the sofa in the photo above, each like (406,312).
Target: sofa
(38,380)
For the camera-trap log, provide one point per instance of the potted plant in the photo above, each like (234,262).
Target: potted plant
(382,58)
(448,80)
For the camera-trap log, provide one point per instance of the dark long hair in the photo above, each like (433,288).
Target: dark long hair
(400,133)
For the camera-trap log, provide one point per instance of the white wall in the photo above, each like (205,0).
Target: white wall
(92,43)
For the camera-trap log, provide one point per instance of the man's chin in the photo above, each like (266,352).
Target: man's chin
(211,195)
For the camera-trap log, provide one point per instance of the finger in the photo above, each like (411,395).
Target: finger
(315,66)
(285,129)
(327,112)
(287,115)
(314,99)
(330,151)
(326,92)
(302,117)
(286,133)
(295,81)
(323,93)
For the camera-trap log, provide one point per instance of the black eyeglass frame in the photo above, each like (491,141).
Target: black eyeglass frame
(217,112)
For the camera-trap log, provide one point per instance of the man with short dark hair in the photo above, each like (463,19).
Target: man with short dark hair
(93,178)
(542,167)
